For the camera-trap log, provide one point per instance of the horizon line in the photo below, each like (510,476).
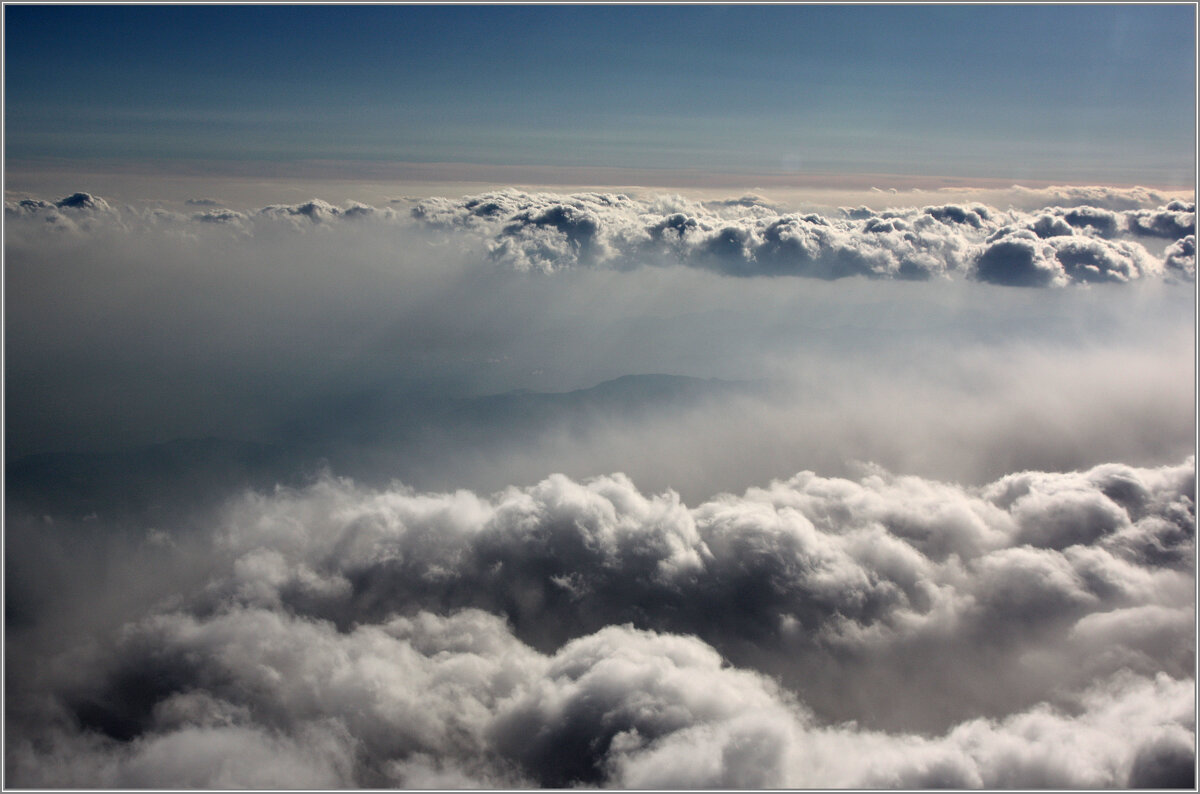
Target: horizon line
(545,174)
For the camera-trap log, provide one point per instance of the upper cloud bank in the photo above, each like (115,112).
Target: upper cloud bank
(1033,632)
(1088,235)
(748,237)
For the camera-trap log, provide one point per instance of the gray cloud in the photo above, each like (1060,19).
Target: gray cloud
(1018,260)
(1050,253)
(74,214)
(1105,222)
(318,211)
(593,228)
(1173,221)
(1005,610)
(431,701)
(83,201)
(750,237)
(545,232)
(1176,220)
(220,216)
(575,633)
(1180,256)
(335,336)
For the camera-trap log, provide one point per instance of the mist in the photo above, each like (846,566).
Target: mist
(142,329)
(693,492)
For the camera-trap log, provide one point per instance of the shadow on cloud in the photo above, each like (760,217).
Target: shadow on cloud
(321,496)
(884,631)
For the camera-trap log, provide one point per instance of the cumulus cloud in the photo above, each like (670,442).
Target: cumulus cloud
(1176,220)
(318,211)
(220,216)
(749,236)
(1047,255)
(73,214)
(582,633)
(991,605)
(1104,746)
(1180,256)
(1018,260)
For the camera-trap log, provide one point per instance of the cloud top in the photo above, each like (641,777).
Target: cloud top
(1075,242)
(584,633)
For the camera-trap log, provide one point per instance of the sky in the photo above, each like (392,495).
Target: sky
(1027,92)
(653,397)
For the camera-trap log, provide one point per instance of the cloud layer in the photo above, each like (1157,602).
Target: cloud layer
(884,631)
(545,232)
(331,331)
(992,602)
(749,237)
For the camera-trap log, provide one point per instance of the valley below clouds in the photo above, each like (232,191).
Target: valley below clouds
(538,489)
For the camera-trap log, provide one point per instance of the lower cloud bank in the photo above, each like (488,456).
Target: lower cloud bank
(886,631)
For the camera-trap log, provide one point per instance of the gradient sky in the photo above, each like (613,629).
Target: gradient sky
(1074,93)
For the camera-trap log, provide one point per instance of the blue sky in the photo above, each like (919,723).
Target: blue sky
(1074,93)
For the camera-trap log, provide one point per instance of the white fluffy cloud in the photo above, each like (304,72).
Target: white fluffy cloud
(546,232)
(573,633)
(749,237)
(1002,612)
